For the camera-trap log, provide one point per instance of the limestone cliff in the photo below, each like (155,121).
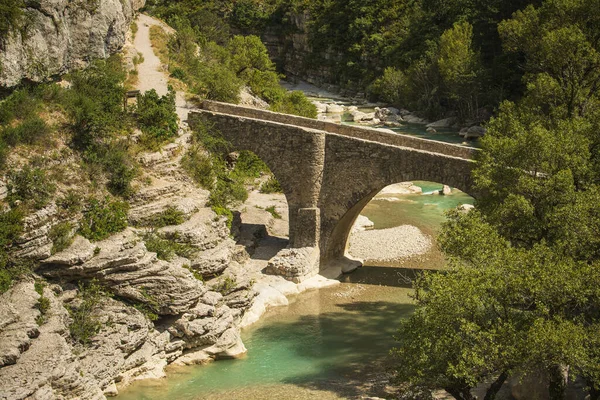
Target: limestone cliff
(61,35)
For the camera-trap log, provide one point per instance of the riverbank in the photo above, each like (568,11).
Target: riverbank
(298,339)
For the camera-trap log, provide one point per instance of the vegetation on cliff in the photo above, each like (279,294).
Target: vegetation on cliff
(217,66)
(87,124)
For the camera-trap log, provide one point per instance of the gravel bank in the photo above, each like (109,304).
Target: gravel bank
(389,244)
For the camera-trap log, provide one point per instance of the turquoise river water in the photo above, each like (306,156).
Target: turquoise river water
(327,344)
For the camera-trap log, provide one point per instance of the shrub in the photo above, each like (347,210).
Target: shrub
(95,102)
(150,307)
(85,324)
(30,186)
(271,186)
(43,305)
(170,216)
(3,152)
(227,192)
(178,73)
(134,29)
(70,202)
(156,118)
(22,104)
(28,132)
(215,81)
(103,218)
(61,237)
(224,211)
(248,165)
(199,165)
(196,274)
(295,103)
(225,285)
(115,160)
(11,226)
(11,16)
(166,249)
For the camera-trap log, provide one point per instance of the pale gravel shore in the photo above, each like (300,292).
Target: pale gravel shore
(389,244)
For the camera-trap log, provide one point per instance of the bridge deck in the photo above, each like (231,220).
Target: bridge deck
(365,133)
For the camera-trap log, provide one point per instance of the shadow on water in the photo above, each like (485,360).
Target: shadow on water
(341,345)
(384,276)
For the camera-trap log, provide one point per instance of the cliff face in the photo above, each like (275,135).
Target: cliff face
(289,46)
(65,34)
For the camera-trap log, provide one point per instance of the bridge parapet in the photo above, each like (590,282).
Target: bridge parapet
(365,133)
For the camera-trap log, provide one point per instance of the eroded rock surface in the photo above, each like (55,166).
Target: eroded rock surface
(63,35)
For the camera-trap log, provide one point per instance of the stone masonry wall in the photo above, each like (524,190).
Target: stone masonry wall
(332,176)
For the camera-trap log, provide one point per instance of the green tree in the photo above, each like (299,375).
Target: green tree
(525,265)
(560,43)
(458,66)
(157,118)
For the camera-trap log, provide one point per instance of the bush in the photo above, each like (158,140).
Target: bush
(178,73)
(248,165)
(150,307)
(196,274)
(391,87)
(61,236)
(11,226)
(85,325)
(166,249)
(225,285)
(295,103)
(223,212)
(157,118)
(70,202)
(43,305)
(199,165)
(95,103)
(30,186)
(271,186)
(29,131)
(103,218)
(11,16)
(21,104)
(228,192)
(170,216)
(115,160)
(217,82)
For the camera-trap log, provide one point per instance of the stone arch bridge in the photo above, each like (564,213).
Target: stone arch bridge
(329,172)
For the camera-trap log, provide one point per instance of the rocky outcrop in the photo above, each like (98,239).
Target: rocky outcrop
(296,264)
(62,35)
(123,264)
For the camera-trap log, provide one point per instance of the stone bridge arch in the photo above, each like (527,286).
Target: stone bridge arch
(353,175)
(294,155)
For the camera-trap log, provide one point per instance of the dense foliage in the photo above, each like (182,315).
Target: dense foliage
(522,295)
(102,218)
(434,56)
(217,67)
(84,323)
(157,118)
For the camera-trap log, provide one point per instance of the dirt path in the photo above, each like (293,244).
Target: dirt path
(151,73)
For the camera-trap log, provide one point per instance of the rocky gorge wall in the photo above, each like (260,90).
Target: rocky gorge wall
(61,35)
(291,50)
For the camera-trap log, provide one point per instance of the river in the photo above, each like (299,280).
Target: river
(327,344)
